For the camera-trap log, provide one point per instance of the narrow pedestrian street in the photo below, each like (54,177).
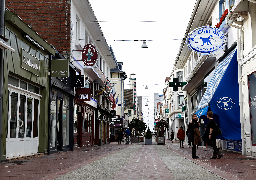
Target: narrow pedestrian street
(133,161)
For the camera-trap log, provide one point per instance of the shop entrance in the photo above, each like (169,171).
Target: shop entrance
(59,124)
(23,116)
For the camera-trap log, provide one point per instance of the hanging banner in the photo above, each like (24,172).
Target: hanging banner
(205,39)
(60,68)
(89,55)
(83,94)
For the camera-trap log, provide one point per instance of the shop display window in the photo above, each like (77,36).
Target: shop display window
(252,99)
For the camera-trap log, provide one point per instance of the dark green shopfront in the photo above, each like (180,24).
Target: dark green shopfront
(26,91)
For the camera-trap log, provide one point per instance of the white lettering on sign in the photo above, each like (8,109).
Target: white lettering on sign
(31,64)
(83,96)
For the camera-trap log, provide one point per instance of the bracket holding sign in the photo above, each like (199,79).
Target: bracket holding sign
(175,84)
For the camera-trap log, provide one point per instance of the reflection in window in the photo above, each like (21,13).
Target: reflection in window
(13,122)
(21,120)
(53,135)
(252,96)
(65,120)
(29,118)
(35,122)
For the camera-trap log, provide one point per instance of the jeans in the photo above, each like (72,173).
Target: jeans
(181,142)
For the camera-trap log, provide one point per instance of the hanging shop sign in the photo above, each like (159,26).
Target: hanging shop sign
(205,40)
(60,68)
(83,94)
(30,62)
(166,110)
(89,55)
(77,81)
(176,84)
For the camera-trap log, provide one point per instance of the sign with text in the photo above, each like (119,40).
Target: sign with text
(30,62)
(205,39)
(77,81)
(89,55)
(60,68)
(83,94)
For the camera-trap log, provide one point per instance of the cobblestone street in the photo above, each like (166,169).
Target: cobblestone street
(134,161)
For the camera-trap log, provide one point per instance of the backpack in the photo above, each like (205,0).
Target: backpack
(218,130)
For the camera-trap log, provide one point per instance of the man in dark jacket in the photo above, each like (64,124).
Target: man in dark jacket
(211,128)
(120,136)
(191,129)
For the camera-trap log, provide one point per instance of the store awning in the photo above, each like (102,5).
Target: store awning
(215,81)
(222,97)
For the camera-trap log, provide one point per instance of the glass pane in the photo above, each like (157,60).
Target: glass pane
(65,120)
(252,96)
(29,118)
(7,115)
(35,122)
(21,120)
(13,121)
(23,85)
(13,81)
(53,134)
(33,89)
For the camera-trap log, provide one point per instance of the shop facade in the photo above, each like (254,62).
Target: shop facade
(26,91)
(62,112)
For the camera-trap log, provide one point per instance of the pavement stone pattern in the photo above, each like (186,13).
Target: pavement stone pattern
(145,164)
(182,168)
(134,161)
(232,165)
(54,165)
(104,168)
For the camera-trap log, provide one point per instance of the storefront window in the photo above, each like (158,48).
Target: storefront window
(35,122)
(53,135)
(65,120)
(13,121)
(21,120)
(29,117)
(252,96)
(13,81)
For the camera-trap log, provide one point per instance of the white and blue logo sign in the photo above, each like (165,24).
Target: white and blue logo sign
(205,39)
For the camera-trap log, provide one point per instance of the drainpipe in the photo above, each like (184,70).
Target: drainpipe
(2,7)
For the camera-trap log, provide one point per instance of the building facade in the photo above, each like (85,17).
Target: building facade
(26,90)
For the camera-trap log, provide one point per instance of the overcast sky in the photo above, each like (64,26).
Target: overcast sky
(125,20)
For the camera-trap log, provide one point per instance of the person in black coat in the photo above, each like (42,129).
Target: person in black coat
(119,136)
(211,129)
(172,136)
(191,127)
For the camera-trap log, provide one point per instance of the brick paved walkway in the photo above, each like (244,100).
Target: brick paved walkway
(145,164)
(231,166)
(54,165)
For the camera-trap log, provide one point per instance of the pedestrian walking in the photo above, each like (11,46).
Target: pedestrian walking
(212,131)
(172,136)
(120,136)
(181,136)
(194,134)
(127,134)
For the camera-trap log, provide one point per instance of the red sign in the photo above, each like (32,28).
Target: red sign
(89,55)
(83,94)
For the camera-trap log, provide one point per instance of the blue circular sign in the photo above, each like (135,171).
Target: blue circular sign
(205,39)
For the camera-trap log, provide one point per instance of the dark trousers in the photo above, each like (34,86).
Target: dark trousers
(119,140)
(213,144)
(193,151)
(181,142)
